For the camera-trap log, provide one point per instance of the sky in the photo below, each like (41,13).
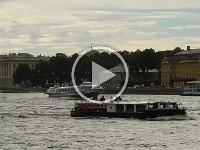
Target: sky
(47,27)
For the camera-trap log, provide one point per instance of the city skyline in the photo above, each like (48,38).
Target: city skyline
(48,27)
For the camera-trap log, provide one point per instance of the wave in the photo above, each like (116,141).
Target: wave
(193,108)
(31,115)
(173,118)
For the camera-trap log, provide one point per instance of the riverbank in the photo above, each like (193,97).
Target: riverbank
(23,90)
(150,91)
(143,91)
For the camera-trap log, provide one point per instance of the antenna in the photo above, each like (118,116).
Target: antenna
(91,45)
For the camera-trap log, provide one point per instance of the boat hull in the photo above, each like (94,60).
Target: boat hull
(190,94)
(138,115)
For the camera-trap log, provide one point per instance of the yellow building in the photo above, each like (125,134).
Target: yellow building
(180,68)
(9,63)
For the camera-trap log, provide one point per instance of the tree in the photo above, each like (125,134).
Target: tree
(148,59)
(41,74)
(134,63)
(22,75)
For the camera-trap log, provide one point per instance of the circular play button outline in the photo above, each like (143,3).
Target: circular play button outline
(104,49)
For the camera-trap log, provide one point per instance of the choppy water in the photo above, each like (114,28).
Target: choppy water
(33,121)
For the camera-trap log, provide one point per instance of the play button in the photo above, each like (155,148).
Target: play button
(100,75)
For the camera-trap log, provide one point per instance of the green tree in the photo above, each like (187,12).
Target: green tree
(148,59)
(22,75)
(41,75)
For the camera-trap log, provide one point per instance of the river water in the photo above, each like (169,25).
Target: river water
(34,121)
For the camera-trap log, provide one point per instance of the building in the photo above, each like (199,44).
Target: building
(119,78)
(9,63)
(180,68)
(150,77)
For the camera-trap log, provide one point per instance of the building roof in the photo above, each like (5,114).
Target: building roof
(118,69)
(189,55)
(21,56)
(188,52)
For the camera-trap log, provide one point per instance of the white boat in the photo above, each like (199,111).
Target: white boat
(69,91)
(191,88)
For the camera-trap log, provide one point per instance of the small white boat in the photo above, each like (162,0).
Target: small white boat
(69,91)
(191,88)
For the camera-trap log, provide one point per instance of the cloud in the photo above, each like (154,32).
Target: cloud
(69,26)
(186,27)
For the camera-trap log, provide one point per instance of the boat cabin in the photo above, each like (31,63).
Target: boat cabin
(125,107)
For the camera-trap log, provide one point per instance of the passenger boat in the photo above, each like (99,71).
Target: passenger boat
(124,109)
(191,88)
(69,91)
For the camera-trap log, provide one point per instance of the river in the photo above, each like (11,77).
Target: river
(34,121)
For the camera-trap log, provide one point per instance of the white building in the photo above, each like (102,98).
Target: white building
(9,63)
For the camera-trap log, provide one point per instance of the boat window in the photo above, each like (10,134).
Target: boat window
(140,107)
(119,108)
(130,108)
(153,106)
(150,106)
(173,105)
(163,105)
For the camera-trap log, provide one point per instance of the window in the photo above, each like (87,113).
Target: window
(150,106)
(163,105)
(170,106)
(140,108)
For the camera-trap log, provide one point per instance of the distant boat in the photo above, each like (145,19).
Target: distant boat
(191,88)
(124,109)
(69,91)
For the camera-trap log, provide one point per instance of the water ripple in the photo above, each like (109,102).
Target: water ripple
(33,121)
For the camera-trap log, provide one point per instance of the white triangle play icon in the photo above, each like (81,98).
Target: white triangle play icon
(100,75)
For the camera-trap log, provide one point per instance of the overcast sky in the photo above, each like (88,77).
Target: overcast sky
(50,26)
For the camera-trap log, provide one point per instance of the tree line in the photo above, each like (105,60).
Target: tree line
(58,68)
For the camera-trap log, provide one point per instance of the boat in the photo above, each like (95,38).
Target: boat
(125,109)
(69,91)
(191,88)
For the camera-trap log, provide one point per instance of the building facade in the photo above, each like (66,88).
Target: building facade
(180,68)
(150,78)
(116,81)
(10,62)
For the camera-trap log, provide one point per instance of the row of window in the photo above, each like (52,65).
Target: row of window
(175,84)
(182,67)
(181,75)
(109,84)
(72,89)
